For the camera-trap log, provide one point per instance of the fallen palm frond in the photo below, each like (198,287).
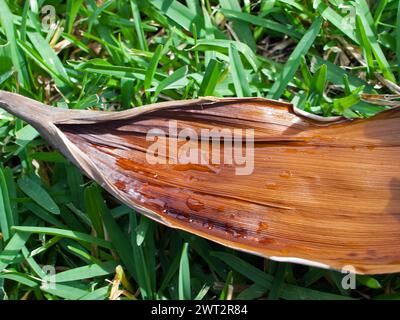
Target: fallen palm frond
(323,194)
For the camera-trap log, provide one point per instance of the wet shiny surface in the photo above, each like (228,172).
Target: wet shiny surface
(326,194)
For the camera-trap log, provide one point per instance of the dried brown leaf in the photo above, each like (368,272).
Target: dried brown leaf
(322,193)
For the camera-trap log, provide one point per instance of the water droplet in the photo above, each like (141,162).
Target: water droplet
(194,204)
(272,186)
(262,226)
(285,252)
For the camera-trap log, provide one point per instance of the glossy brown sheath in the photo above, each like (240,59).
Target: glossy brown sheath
(323,194)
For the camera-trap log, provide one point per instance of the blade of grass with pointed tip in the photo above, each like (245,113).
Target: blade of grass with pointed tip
(227,286)
(202,293)
(294,60)
(305,71)
(365,45)
(239,77)
(82,254)
(369,282)
(143,277)
(173,268)
(86,272)
(277,284)
(141,230)
(43,214)
(12,249)
(20,278)
(73,7)
(48,156)
(94,208)
(223,46)
(363,7)
(152,68)
(178,13)
(127,91)
(176,76)
(335,75)
(38,194)
(12,194)
(24,136)
(262,22)
(5,58)
(209,34)
(36,268)
(98,294)
(18,59)
(336,19)
(49,57)
(6,215)
(376,49)
(138,25)
(319,80)
(69,292)
(99,66)
(184,288)
(118,238)
(211,78)
(75,235)
(75,183)
(240,27)
(378,12)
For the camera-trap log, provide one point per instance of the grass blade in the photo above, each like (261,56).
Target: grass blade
(278,282)
(262,22)
(294,60)
(118,238)
(152,68)
(184,275)
(336,19)
(73,7)
(239,77)
(176,76)
(78,236)
(138,25)
(398,39)
(85,272)
(16,55)
(12,249)
(376,49)
(6,215)
(38,194)
(240,27)
(94,208)
(211,78)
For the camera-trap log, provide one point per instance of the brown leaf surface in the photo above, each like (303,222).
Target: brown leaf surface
(320,194)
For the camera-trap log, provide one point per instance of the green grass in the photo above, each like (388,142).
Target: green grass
(122,54)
